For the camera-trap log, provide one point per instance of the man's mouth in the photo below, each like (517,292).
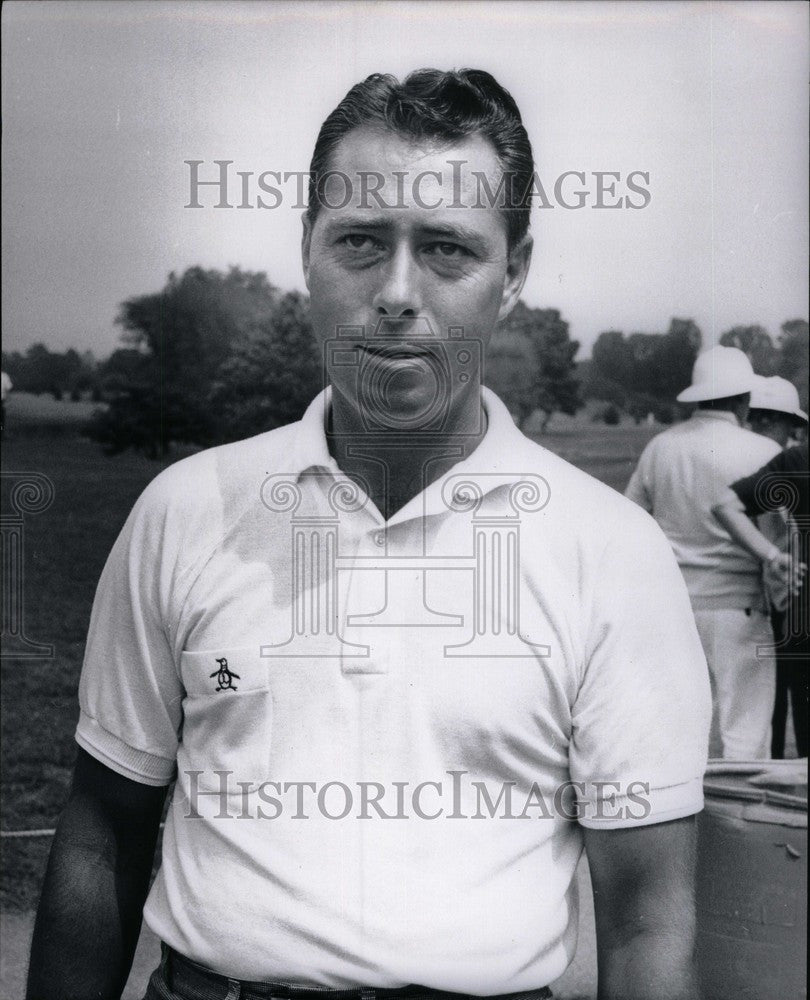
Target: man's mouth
(398,351)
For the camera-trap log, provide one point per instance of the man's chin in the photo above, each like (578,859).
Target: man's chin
(404,395)
(407,404)
(406,409)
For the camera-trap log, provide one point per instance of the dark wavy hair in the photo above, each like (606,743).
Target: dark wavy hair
(443,106)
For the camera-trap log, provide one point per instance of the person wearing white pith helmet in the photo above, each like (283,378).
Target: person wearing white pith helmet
(775,412)
(680,475)
(774,409)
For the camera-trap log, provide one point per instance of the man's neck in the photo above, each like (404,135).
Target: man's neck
(711,411)
(394,467)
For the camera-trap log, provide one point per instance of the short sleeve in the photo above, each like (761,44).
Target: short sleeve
(744,491)
(642,712)
(753,491)
(130,694)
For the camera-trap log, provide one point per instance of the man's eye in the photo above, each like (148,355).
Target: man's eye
(359,241)
(451,251)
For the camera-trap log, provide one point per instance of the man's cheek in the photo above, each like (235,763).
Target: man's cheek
(477,300)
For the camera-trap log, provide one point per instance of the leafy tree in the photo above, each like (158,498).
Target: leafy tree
(794,348)
(180,337)
(272,374)
(756,342)
(611,416)
(650,368)
(136,406)
(549,384)
(613,357)
(120,368)
(597,385)
(558,388)
(676,355)
(42,370)
(511,371)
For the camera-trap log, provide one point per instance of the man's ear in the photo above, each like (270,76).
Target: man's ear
(306,240)
(517,268)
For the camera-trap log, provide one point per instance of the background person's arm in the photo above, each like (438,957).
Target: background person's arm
(745,533)
(636,489)
(643,888)
(89,916)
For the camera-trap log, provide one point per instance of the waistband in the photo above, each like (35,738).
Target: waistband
(183,973)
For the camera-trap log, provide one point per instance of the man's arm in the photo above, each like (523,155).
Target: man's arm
(745,533)
(89,916)
(643,889)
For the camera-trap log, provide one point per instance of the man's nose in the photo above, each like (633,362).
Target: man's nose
(399,294)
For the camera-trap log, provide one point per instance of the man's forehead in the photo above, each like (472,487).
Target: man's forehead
(374,170)
(375,148)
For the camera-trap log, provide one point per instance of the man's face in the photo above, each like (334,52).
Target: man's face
(771,424)
(407,270)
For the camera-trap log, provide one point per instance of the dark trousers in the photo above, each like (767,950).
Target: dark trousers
(792,683)
(176,978)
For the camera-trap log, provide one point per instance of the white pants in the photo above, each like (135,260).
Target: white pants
(743,681)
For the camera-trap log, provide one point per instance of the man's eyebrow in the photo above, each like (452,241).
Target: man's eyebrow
(454,231)
(366,221)
(359,221)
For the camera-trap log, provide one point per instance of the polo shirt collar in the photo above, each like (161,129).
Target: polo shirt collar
(716,415)
(504,456)
(310,449)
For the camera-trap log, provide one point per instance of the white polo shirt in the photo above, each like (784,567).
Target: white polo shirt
(681,475)
(374,724)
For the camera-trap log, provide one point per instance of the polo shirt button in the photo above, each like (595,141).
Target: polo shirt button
(379,538)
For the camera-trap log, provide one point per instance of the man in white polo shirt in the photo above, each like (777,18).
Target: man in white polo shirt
(680,476)
(402,662)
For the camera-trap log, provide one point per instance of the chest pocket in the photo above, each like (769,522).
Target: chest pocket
(227,716)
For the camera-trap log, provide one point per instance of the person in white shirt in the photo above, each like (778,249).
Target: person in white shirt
(679,478)
(402,663)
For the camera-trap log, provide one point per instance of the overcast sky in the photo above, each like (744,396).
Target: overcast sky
(102,103)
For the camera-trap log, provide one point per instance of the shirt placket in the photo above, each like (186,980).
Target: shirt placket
(364,582)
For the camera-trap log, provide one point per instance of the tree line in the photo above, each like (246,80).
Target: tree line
(217,356)
(643,373)
(62,374)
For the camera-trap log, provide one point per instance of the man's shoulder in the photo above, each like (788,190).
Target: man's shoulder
(670,437)
(745,451)
(786,466)
(759,443)
(695,432)
(220,476)
(737,432)
(584,504)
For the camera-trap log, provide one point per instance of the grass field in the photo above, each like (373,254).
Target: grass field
(65,549)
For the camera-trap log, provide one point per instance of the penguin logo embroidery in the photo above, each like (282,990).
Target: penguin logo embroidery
(225,676)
